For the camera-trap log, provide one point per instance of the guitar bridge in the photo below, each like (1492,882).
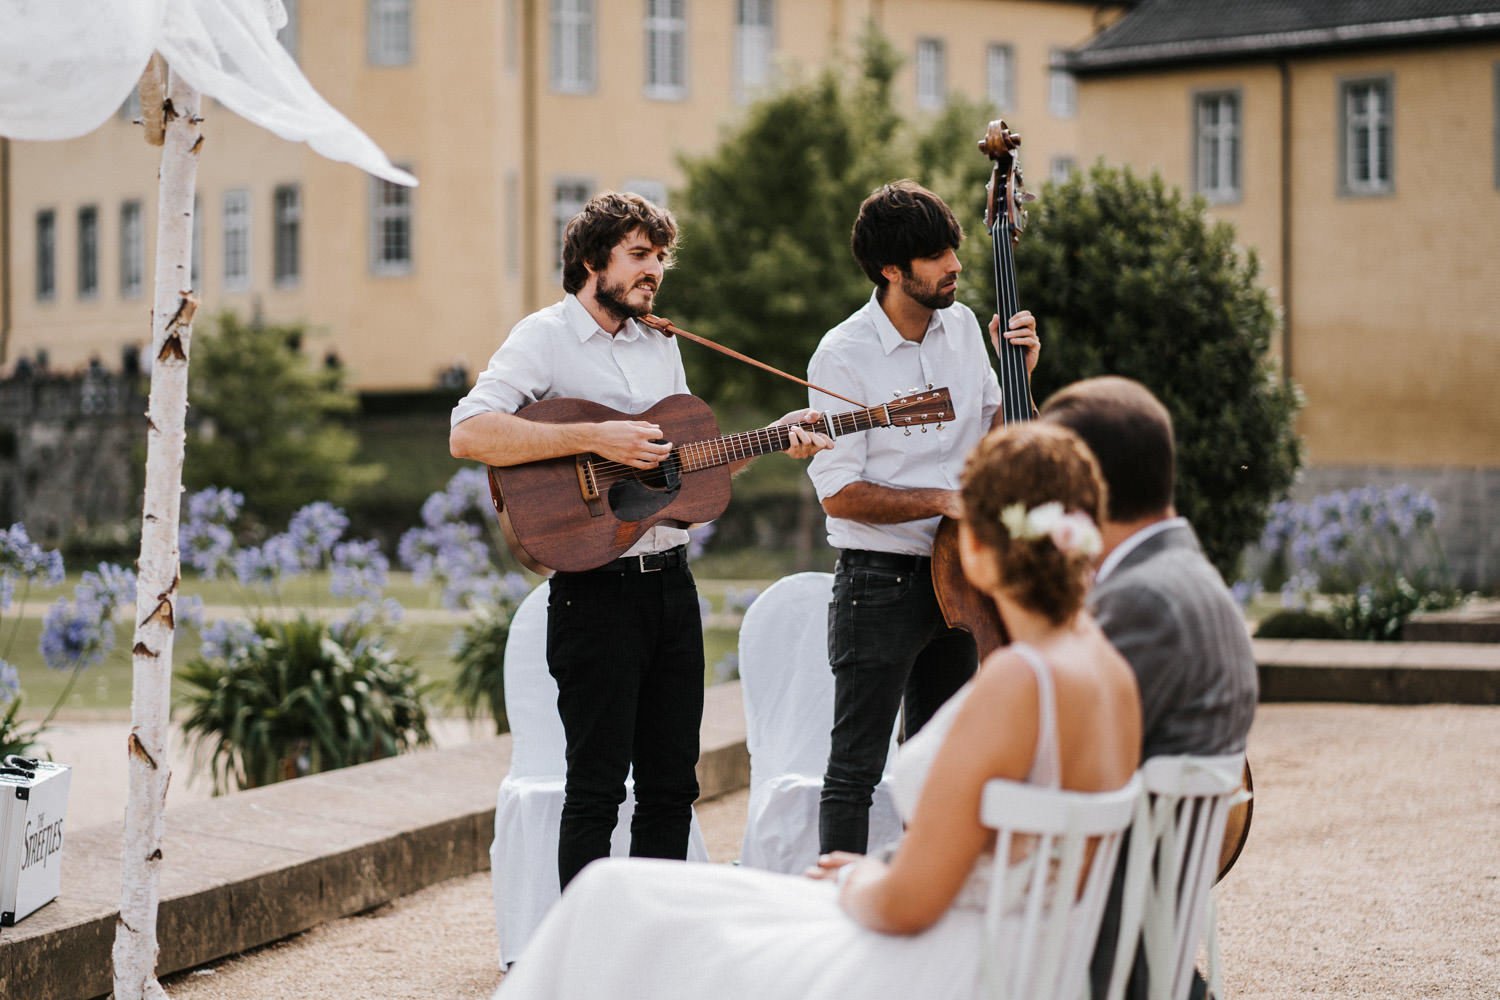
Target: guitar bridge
(588,485)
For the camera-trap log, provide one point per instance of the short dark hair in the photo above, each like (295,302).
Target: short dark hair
(1130,433)
(897,224)
(608,218)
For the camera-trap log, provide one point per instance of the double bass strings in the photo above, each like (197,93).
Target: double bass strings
(1014,392)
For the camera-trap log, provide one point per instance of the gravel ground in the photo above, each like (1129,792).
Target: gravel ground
(1372,871)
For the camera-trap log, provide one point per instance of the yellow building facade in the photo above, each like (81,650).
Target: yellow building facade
(511,114)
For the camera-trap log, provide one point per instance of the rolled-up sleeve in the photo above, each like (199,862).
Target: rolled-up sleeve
(519,373)
(834,468)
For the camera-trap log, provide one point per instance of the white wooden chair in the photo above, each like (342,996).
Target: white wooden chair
(528,807)
(1174,860)
(786,687)
(1045,906)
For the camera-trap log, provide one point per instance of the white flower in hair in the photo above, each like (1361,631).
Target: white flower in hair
(1070,531)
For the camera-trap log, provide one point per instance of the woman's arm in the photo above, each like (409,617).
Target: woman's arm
(993,736)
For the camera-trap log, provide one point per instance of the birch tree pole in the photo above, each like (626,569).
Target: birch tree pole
(172,121)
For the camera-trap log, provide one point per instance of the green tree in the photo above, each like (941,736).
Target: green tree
(764,264)
(266,421)
(1130,278)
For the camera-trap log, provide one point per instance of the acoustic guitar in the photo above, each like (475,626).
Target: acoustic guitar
(964,606)
(578,512)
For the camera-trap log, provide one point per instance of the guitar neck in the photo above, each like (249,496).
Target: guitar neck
(1015,386)
(745,445)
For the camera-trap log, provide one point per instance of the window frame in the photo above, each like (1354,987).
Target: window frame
(563,211)
(234,239)
(1349,186)
(575,35)
(132,249)
(1216,192)
(665,37)
(286,236)
(1062,88)
(754,48)
(390,32)
(930,69)
(45,284)
(88,252)
(392,204)
(1006,101)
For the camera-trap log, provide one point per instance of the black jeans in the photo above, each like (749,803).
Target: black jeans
(626,649)
(886,641)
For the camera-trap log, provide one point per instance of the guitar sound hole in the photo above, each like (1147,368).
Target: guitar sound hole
(637,497)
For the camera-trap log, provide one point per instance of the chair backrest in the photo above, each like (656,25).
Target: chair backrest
(538,748)
(785,681)
(1174,859)
(1055,856)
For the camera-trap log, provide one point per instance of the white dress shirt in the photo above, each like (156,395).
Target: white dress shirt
(865,358)
(561,351)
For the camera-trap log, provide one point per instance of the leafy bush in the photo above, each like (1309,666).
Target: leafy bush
(300,697)
(276,695)
(479,652)
(1298,624)
(1376,551)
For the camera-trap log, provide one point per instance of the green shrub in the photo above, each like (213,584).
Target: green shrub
(1299,624)
(480,655)
(300,697)
(1379,611)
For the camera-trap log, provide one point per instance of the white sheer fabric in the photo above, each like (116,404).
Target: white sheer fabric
(787,688)
(528,806)
(67,65)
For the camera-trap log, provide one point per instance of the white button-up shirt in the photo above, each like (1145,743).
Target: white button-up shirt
(865,358)
(561,351)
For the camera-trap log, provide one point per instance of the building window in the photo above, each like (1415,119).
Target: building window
(1061,168)
(1367,137)
(391,250)
(932,74)
(236,228)
(1000,76)
(1062,89)
(132,250)
(653,191)
(390,32)
(569,195)
(196,267)
(1218,146)
(573,46)
(88,252)
(287,36)
(286,265)
(46,255)
(666,49)
(754,44)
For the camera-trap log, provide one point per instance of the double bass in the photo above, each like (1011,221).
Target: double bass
(963,606)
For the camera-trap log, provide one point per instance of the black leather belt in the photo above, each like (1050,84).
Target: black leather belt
(884,560)
(647,562)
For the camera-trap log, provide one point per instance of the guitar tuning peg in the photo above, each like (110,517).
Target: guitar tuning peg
(940,426)
(929,386)
(907,432)
(924,428)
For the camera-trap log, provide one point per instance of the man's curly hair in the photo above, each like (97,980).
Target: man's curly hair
(607,219)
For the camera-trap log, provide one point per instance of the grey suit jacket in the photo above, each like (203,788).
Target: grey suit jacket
(1168,612)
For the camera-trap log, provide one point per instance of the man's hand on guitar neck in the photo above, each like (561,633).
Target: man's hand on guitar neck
(805,443)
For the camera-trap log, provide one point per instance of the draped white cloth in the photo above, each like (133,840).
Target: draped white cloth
(67,65)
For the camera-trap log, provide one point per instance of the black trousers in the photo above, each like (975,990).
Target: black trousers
(626,649)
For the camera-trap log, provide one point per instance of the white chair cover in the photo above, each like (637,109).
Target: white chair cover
(1039,929)
(787,689)
(1174,860)
(528,808)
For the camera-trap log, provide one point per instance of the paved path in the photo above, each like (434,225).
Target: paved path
(1372,871)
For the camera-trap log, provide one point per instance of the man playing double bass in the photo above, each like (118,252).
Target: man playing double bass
(884,493)
(624,640)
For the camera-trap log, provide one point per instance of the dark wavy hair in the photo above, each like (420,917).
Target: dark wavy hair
(898,223)
(1033,463)
(607,219)
(1129,432)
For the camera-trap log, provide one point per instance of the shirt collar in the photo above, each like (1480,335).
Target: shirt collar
(1129,545)
(583,325)
(890,337)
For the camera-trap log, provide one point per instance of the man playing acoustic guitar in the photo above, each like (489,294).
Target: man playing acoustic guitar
(884,494)
(624,640)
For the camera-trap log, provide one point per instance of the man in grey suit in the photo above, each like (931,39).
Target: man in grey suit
(1158,598)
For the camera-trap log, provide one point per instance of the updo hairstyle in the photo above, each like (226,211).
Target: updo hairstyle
(1033,463)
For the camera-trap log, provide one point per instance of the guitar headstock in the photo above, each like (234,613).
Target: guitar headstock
(1004,193)
(928,406)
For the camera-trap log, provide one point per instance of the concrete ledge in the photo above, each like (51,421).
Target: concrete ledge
(257,866)
(1386,673)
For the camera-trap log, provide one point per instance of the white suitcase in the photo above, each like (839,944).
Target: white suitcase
(33,802)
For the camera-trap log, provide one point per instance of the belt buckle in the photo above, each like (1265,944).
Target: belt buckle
(661,564)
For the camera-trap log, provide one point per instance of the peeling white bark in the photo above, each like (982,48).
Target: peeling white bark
(135,946)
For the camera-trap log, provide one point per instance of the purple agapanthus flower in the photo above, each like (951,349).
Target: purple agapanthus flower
(359,570)
(75,636)
(10,683)
(314,530)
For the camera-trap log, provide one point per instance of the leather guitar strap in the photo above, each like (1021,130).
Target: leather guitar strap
(665,326)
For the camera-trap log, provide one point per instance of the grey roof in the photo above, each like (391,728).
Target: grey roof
(1159,32)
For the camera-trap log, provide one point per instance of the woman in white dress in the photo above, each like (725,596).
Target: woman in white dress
(1058,707)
